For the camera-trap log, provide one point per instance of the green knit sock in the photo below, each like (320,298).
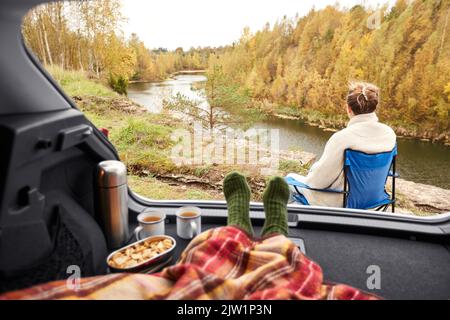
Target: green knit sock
(275,200)
(237,194)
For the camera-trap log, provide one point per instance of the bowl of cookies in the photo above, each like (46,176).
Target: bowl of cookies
(142,255)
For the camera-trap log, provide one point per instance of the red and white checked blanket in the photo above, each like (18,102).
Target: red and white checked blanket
(222,263)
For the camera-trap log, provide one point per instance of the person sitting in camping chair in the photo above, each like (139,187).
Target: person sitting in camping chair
(356,161)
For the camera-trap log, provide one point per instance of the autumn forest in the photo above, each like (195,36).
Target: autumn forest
(299,66)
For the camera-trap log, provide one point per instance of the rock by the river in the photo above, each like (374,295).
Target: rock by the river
(423,196)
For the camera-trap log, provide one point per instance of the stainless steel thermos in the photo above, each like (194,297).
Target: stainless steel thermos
(113,202)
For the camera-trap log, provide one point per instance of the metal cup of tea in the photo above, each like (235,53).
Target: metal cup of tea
(151,223)
(189,223)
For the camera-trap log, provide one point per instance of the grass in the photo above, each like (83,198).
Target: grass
(76,83)
(138,132)
(153,189)
(143,142)
(202,171)
(288,166)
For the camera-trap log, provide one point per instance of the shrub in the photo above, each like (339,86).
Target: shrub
(119,84)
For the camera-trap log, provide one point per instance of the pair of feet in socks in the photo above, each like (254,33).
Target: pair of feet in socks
(275,198)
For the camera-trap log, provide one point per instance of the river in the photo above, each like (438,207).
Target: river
(418,161)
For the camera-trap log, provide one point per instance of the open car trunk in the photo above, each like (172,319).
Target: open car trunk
(48,209)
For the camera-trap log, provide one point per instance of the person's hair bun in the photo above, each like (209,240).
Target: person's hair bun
(363,97)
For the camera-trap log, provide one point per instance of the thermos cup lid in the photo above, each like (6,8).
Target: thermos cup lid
(111,173)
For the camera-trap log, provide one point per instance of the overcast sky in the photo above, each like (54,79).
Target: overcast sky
(191,23)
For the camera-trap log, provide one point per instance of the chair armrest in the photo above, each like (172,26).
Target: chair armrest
(291,181)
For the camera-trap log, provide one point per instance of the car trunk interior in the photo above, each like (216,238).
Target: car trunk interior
(48,206)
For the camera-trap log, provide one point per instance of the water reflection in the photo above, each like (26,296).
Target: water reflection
(152,94)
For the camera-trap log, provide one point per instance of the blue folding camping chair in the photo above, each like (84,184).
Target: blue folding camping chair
(365,177)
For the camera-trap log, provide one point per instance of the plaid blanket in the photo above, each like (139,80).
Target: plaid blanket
(221,263)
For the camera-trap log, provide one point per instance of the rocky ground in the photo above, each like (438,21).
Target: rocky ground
(422,198)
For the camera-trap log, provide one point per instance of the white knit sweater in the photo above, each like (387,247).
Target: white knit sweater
(363,133)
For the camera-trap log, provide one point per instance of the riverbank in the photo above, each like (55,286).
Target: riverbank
(188,72)
(333,124)
(171,76)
